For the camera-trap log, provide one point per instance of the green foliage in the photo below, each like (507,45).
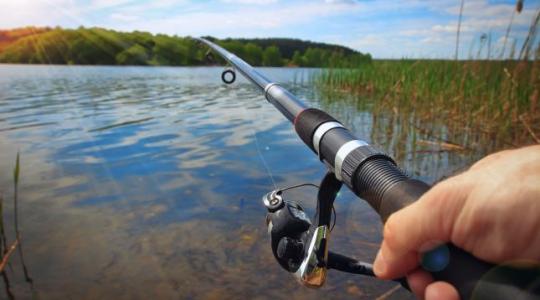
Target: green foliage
(494,98)
(312,56)
(134,55)
(253,54)
(287,47)
(297,59)
(272,57)
(97,46)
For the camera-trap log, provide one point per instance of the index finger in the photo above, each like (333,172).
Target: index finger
(420,227)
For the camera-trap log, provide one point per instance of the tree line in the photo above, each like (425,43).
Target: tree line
(98,46)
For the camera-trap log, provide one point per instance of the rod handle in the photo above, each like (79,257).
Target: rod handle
(472,277)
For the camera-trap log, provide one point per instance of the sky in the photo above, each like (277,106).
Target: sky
(386,29)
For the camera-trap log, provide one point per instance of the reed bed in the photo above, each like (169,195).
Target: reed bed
(491,104)
(473,102)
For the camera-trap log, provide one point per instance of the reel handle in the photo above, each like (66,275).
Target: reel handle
(350,265)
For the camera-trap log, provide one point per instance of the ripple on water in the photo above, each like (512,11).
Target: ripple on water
(146,183)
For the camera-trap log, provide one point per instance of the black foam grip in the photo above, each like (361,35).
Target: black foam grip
(307,122)
(383,185)
(400,195)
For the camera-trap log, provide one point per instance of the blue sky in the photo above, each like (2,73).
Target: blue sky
(386,29)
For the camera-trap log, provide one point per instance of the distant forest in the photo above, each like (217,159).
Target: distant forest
(98,46)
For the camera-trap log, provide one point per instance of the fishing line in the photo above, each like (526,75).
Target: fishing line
(299,185)
(317,209)
(262,158)
(269,172)
(257,145)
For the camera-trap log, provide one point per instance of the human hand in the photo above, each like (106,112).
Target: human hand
(492,211)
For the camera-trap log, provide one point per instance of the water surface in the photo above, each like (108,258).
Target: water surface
(143,183)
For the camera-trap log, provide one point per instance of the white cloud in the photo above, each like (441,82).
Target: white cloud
(100,4)
(256,2)
(340,1)
(368,41)
(39,13)
(481,15)
(124,17)
(227,22)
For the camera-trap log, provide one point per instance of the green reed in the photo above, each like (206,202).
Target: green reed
(489,103)
(489,99)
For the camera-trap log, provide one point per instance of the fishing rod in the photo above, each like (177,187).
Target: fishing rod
(301,247)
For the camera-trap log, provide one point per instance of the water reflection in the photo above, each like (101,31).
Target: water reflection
(146,182)
(425,151)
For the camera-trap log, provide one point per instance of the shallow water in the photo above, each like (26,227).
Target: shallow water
(140,183)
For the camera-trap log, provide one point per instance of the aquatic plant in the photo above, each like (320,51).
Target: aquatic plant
(459,28)
(5,250)
(493,103)
(474,100)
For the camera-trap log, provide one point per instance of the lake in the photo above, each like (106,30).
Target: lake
(146,182)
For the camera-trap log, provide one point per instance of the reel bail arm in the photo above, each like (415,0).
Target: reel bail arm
(312,271)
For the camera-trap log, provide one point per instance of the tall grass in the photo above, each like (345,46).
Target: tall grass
(459,29)
(493,99)
(492,102)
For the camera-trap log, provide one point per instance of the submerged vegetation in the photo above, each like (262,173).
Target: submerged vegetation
(7,250)
(461,103)
(98,46)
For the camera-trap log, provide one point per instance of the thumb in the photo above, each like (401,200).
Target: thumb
(420,227)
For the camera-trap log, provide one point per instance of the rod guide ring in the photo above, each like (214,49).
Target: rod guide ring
(224,76)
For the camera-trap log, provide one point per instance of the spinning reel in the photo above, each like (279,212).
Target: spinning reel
(301,247)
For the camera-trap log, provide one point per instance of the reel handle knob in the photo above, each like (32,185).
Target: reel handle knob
(273,201)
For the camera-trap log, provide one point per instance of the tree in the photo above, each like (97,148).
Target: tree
(253,54)
(98,46)
(135,55)
(235,47)
(313,57)
(272,57)
(168,51)
(298,59)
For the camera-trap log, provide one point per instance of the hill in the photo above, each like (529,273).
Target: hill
(7,37)
(288,46)
(98,46)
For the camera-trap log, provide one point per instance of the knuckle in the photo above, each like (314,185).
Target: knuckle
(390,228)
(490,159)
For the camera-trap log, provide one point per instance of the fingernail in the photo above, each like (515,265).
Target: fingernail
(379,266)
